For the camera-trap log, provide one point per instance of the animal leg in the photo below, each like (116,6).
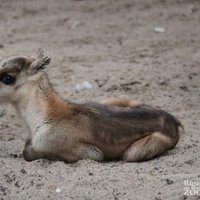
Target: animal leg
(29,152)
(121,102)
(149,147)
(84,151)
(78,152)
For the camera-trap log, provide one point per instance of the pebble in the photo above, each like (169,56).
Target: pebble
(83,85)
(58,190)
(192,9)
(169,182)
(159,29)
(23,171)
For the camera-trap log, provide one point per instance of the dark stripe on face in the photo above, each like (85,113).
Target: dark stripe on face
(9,70)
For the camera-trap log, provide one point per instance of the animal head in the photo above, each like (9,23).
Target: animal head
(16,71)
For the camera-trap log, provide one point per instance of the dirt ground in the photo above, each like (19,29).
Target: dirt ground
(114,45)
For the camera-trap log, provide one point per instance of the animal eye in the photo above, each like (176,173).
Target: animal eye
(8,79)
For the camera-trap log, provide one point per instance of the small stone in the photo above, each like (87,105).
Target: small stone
(23,171)
(159,29)
(58,190)
(17,184)
(14,155)
(10,139)
(2,189)
(185,88)
(83,85)
(192,9)
(169,182)
(90,173)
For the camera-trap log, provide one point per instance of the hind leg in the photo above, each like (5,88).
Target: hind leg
(149,147)
(84,151)
(121,102)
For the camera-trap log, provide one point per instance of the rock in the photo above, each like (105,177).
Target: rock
(83,85)
(58,190)
(23,171)
(185,88)
(159,29)
(169,182)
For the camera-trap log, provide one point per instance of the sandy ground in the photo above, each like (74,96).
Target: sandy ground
(113,45)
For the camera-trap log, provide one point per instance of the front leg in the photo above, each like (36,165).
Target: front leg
(85,151)
(29,152)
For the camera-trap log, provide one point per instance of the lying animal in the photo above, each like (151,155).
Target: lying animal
(118,129)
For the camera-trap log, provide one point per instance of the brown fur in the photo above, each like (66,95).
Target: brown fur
(121,102)
(148,147)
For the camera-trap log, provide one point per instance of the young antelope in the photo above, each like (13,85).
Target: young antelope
(116,129)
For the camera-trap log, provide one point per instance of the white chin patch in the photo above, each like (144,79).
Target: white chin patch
(5,94)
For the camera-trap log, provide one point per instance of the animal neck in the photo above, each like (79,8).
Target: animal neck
(38,103)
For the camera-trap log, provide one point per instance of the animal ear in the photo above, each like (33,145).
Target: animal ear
(40,62)
(38,54)
(29,64)
(17,62)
